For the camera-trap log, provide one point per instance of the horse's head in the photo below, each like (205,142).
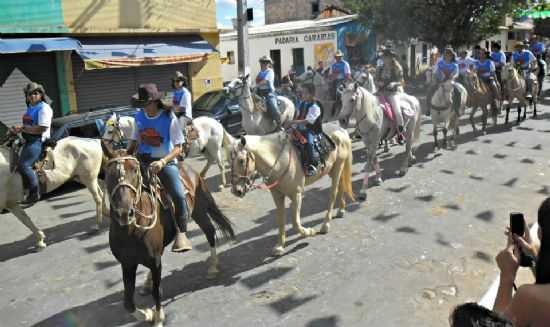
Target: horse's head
(306,76)
(349,95)
(509,71)
(236,88)
(123,182)
(243,168)
(113,132)
(443,96)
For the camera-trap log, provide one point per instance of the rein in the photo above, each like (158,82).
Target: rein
(137,191)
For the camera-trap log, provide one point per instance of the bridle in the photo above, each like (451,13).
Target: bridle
(121,183)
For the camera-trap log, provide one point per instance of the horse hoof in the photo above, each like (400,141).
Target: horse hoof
(309,232)
(278,251)
(158,318)
(143,314)
(212,273)
(340,213)
(378,181)
(325,228)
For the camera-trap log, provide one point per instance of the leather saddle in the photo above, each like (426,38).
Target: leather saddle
(323,145)
(190,181)
(260,103)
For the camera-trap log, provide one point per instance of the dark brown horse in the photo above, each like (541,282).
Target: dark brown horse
(142,224)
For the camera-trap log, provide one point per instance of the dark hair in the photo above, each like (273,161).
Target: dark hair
(543,260)
(472,314)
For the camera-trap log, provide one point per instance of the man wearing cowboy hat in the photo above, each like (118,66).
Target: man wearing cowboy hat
(527,62)
(158,141)
(265,86)
(445,69)
(340,72)
(182,97)
(35,130)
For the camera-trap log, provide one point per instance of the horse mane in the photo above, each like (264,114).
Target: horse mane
(368,101)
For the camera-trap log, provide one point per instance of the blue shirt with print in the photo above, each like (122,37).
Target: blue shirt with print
(31,115)
(154,134)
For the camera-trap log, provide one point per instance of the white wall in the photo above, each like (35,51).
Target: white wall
(261,46)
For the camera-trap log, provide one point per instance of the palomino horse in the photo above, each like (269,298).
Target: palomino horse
(444,111)
(515,87)
(256,121)
(143,225)
(213,141)
(275,158)
(479,96)
(72,158)
(374,126)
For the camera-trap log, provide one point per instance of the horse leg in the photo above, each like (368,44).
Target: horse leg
(386,147)
(507,112)
(207,166)
(365,186)
(341,202)
(519,110)
(472,122)
(129,278)
(147,285)
(484,118)
(158,313)
(408,153)
(205,224)
(525,111)
(296,206)
(26,220)
(436,144)
(221,165)
(279,200)
(97,194)
(444,137)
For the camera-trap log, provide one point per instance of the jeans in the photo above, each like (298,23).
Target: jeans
(171,180)
(272,107)
(29,155)
(308,134)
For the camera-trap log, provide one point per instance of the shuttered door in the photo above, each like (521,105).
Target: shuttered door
(16,71)
(103,88)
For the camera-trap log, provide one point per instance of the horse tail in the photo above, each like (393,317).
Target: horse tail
(206,206)
(345,178)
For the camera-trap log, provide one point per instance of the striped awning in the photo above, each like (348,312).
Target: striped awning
(111,52)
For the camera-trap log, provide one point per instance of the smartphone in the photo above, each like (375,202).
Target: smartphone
(517,226)
(517,223)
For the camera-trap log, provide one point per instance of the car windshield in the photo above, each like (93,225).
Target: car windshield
(208,101)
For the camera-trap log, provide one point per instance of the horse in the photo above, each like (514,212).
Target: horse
(445,112)
(275,158)
(374,126)
(71,158)
(515,87)
(255,120)
(479,96)
(213,141)
(142,225)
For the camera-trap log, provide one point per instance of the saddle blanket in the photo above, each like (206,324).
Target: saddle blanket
(406,109)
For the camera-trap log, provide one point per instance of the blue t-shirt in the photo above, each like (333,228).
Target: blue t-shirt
(340,69)
(538,48)
(486,68)
(269,76)
(499,58)
(31,115)
(446,70)
(523,58)
(154,134)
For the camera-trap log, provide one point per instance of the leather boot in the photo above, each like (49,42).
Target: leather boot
(181,242)
(32,197)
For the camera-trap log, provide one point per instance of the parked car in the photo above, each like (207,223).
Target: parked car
(218,105)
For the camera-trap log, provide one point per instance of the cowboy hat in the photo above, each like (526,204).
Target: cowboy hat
(32,86)
(266,59)
(339,54)
(519,45)
(451,51)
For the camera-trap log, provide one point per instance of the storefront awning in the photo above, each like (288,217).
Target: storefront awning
(99,53)
(22,45)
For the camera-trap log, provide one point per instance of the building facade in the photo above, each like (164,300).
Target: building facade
(301,44)
(110,47)
(279,11)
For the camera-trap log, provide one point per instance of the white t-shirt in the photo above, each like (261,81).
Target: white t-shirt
(45,119)
(313,113)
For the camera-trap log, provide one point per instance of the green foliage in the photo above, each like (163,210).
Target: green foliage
(441,22)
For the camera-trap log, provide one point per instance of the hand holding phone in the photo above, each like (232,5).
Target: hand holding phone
(518,227)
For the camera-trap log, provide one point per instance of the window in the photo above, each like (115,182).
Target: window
(424,53)
(231,57)
(315,8)
(298,60)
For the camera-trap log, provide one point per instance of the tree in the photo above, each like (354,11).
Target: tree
(441,22)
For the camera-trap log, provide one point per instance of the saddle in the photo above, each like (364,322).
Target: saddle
(260,103)
(323,145)
(190,181)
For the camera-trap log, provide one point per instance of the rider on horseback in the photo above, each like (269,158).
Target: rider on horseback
(526,62)
(265,87)
(487,73)
(35,130)
(308,121)
(465,63)
(390,79)
(499,58)
(158,139)
(446,69)
(182,97)
(340,72)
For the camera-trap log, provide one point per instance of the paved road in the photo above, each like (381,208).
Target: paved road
(422,244)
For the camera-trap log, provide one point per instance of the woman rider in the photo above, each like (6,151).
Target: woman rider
(392,73)
(158,140)
(486,72)
(35,129)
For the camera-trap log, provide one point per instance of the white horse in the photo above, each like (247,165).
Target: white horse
(275,158)
(72,158)
(443,110)
(214,143)
(256,121)
(374,126)
(515,87)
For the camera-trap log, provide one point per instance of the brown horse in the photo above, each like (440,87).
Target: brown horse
(143,224)
(479,96)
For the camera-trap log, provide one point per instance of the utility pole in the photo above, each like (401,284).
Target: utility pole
(242,38)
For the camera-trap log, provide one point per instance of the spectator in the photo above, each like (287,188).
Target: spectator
(474,315)
(530,306)
(541,71)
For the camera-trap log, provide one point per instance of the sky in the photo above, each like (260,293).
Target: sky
(227,9)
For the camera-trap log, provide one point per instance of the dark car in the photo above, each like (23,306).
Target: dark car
(218,105)
(87,124)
